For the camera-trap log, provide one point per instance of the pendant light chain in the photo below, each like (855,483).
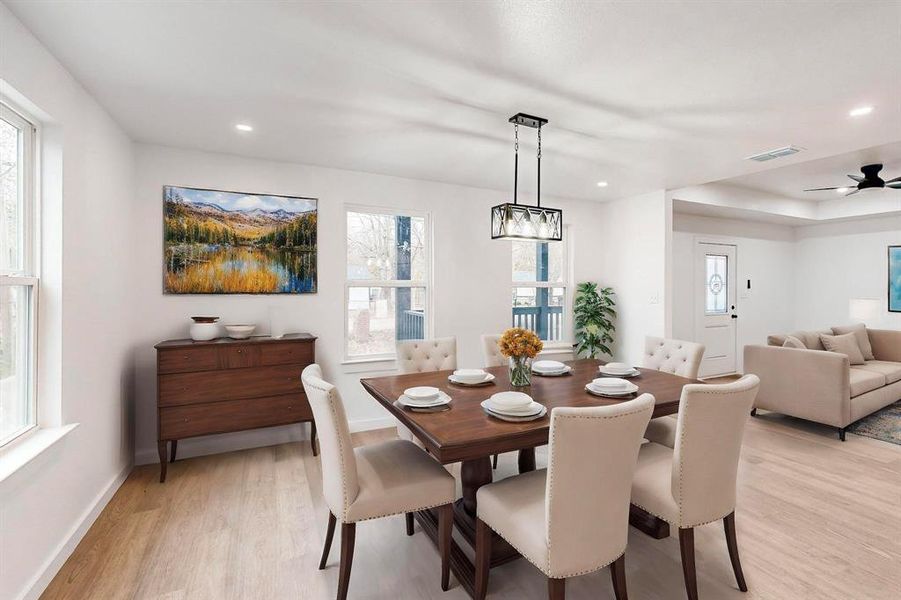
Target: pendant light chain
(538,193)
(515,162)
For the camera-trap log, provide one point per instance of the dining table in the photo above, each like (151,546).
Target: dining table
(464,433)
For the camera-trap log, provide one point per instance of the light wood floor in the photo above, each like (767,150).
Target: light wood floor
(817,519)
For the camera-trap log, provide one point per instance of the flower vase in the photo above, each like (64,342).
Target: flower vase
(520,371)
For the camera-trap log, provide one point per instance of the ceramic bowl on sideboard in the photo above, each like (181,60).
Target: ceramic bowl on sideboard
(239,331)
(204,329)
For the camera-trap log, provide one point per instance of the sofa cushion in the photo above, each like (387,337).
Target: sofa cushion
(775,340)
(844,344)
(811,339)
(793,342)
(891,370)
(863,381)
(863,340)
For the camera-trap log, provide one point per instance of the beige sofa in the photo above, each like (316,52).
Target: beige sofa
(823,386)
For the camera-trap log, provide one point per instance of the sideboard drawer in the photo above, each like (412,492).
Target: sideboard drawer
(237,357)
(194,388)
(180,360)
(232,415)
(286,354)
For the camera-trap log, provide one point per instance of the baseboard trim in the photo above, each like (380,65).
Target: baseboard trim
(51,567)
(255,438)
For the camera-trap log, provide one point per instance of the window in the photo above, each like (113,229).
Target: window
(18,283)
(539,288)
(716,289)
(387,289)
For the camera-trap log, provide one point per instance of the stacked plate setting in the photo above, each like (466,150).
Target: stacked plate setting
(611,387)
(616,369)
(513,406)
(423,397)
(550,368)
(470,377)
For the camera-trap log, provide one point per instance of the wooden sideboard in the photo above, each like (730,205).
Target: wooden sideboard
(227,385)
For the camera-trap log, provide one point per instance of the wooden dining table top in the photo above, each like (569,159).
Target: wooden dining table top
(465,432)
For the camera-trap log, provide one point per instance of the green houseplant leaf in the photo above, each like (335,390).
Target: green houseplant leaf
(594,312)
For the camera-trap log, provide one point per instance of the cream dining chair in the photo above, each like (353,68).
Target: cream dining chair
(423,356)
(673,356)
(373,481)
(573,517)
(686,474)
(491,352)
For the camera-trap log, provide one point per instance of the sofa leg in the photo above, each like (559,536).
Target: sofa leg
(841,433)
(753,412)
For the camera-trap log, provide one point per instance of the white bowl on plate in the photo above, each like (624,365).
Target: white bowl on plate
(616,367)
(422,393)
(237,331)
(612,383)
(510,400)
(470,375)
(548,366)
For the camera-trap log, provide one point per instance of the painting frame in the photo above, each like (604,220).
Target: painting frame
(893,290)
(296,281)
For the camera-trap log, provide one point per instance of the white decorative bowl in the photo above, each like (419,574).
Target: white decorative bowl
(422,393)
(470,375)
(239,332)
(511,400)
(202,332)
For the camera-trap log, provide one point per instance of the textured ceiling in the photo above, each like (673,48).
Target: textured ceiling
(643,95)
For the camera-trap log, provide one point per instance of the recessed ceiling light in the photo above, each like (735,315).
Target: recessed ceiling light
(861,111)
(243,127)
(602,184)
(842,190)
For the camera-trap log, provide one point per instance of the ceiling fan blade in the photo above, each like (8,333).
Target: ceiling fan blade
(854,191)
(856,178)
(895,185)
(841,187)
(895,180)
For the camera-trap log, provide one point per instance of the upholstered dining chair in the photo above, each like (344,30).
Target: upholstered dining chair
(491,352)
(673,356)
(573,517)
(373,481)
(422,356)
(686,474)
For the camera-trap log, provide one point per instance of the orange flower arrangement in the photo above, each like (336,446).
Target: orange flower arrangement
(517,342)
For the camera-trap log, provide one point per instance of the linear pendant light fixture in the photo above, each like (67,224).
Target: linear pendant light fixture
(519,221)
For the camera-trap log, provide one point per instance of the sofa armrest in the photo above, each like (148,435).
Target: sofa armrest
(886,344)
(809,384)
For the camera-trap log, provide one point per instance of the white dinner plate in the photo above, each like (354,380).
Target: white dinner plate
(415,403)
(510,400)
(530,410)
(422,393)
(513,419)
(606,394)
(454,379)
(564,371)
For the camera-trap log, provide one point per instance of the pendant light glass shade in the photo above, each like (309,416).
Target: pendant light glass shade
(520,222)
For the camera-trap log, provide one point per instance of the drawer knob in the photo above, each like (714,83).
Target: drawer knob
(185,420)
(187,357)
(240,350)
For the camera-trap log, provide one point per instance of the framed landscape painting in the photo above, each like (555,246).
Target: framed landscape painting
(217,242)
(894,278)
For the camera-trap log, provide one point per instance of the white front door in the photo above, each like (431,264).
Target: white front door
(715,303)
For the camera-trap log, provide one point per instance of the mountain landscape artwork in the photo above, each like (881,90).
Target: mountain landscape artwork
(219,242)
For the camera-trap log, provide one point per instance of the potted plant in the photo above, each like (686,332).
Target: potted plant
(593,314)
(520,346)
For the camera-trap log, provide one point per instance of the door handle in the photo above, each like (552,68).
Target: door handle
(734,316)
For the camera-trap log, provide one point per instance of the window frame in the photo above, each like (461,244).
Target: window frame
(565,284)
(427,284)
(28,274)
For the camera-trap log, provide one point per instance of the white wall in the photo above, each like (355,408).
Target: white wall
(635,232)
(837,262)
(471,279)
(765,254)
(86,361)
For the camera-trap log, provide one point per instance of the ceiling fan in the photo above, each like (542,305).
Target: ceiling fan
(869,181)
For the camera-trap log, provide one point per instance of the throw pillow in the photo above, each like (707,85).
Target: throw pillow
(863,340)
(844,344)
(793,342)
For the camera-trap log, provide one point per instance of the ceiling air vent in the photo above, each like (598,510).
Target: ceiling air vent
(777,153)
